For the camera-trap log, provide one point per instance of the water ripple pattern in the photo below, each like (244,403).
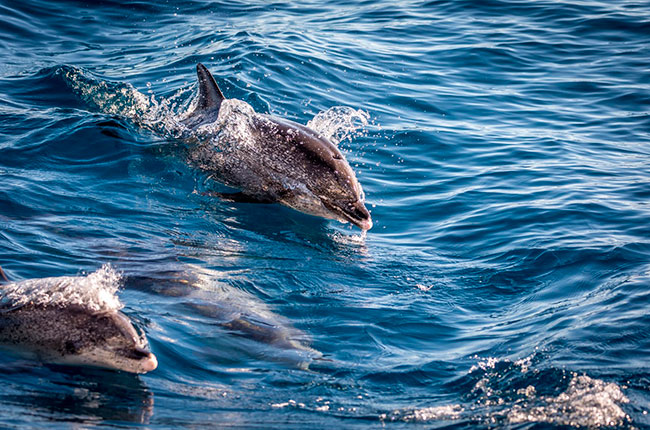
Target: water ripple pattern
(504,149)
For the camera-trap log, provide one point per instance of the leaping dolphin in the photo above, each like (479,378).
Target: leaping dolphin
(272,159)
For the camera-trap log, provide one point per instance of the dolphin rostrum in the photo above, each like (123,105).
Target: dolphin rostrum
(72,321)
(270,159)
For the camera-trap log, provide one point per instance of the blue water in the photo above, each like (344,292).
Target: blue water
(506,163)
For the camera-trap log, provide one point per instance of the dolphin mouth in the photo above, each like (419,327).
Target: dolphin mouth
(352,211)
(145,359)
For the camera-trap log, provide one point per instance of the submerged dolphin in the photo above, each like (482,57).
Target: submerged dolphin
(262,332)
(272,159)
(51,320)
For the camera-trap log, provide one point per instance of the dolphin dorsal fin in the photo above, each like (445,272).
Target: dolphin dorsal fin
(210,96)
(209,100)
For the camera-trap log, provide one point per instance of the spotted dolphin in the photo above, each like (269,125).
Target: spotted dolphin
(59,321)
(271,159)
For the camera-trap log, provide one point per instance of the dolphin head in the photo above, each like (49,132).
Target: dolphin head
(329,188)
(343,197)
(110,341)
(73,335)
(106,339)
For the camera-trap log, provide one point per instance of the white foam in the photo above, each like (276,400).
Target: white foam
(434,413)
(96,291)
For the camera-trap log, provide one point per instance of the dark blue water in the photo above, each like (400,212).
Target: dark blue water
(506,162)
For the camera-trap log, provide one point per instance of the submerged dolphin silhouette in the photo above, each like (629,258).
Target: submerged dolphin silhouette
(262,332)
(272,159)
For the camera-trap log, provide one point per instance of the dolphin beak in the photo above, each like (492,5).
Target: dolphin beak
(362,217)
(366,224)
(354,212)
(149,363)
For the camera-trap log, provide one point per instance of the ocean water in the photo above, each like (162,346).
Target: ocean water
(504,149)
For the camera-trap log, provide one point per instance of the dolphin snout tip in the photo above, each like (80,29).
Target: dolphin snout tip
(354,212)
(149,363)
(360,215)
(366,224)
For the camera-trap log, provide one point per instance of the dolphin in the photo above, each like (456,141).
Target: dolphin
(241,314)
(38,321)
(271,159)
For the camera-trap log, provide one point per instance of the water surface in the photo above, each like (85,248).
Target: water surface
(505,157)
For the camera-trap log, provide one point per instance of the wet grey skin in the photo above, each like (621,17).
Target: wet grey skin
(73,335)
(286,162)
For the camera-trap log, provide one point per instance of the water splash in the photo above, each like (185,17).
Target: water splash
(234,124)
(433,413)
(506,393)
(161,115)
(96,291)
(165,115)
(587,402)
(115,98)
(340,123)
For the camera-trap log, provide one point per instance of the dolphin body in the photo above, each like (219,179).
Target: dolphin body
(53,331)
(242,315)
(272,159)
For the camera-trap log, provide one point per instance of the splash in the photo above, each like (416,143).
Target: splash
(115,98)
(96,291)
(165,115)
(340,123)
(587,402)
(584,402)
(160,115)
(434,413)
(234,124)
